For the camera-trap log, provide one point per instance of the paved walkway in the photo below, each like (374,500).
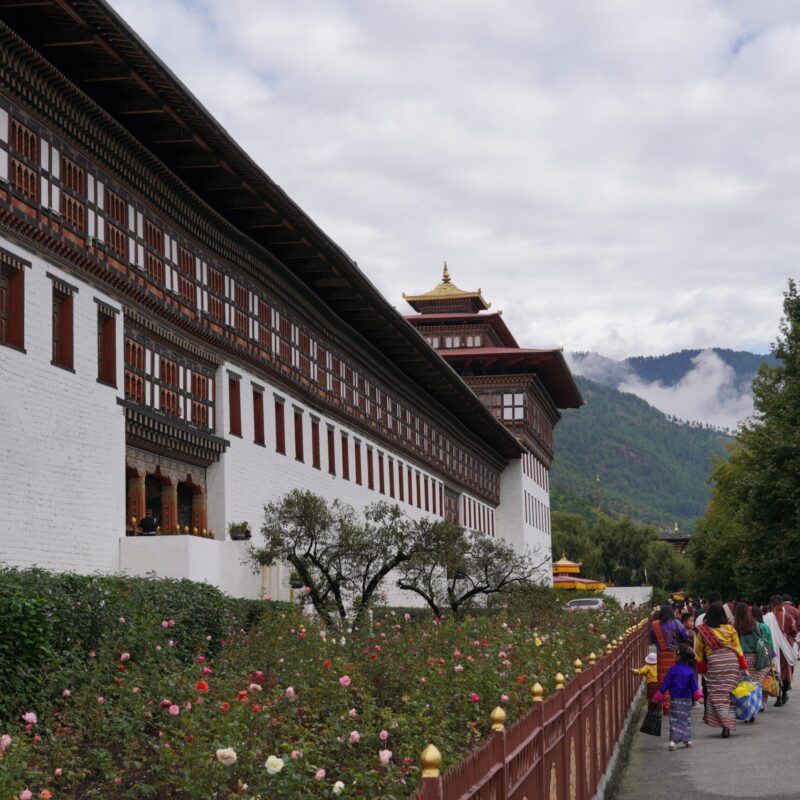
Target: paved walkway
(758,761)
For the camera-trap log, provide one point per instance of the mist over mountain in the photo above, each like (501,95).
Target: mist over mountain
(635,459)
(709,386)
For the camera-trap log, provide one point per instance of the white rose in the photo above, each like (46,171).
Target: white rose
(274,765)
(226,756)
(338,787)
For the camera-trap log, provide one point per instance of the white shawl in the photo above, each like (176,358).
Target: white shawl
(782,644)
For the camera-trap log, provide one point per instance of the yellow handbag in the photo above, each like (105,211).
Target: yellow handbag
(771,686)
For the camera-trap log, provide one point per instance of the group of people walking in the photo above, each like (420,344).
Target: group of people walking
(721,643)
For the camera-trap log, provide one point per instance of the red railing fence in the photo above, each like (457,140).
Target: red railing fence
(561,749)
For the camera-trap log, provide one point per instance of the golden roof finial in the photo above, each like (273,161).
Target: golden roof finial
(446,274)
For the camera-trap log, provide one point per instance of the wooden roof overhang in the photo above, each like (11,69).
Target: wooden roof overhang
(548,365)
(494,321)
(92,46)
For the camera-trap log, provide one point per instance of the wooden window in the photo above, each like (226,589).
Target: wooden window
(304,344)
(154,239)
(280,427)
(441,499)
(400,484)
(298,434)
(73,181)
(216,284)
(370,469)
(410,485)
(285,339)
(106,346)
(234,400)
(62,326)
(433,495)
(336,376)
(200,409)
(117,212)
(419,493)
(24,170)
(391,477)
(315,451)
(357,445)
(168,402)
(381,479)
(258,416)
(331,450)
(426,494)
(187,269)
(12,306)
(168,371)
(134,368)
(241,320)
(345,457)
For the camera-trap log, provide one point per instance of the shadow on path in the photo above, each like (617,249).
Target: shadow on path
(758,761)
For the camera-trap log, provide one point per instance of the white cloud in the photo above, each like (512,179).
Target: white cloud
(617,176)
(709,393)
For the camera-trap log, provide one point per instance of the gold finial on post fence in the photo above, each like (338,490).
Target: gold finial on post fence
(194,531)
(177,529)
(578,665)
(431,759)
(498,718)
(185,530)
(592,659)
(538,692)
(615,643)
(204,533)
(559,681)
(609,648)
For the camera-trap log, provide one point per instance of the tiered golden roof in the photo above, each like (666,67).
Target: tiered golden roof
(444,291)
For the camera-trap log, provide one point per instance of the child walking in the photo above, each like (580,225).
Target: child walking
(649,672)
(681,683)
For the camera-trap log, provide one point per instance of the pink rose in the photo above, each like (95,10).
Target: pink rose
(136,690)
(164,623)
(200,659)
(320,774)
(458,668)
(92,654)
(124,656)
(385,756)
(355,737)
(474,698)
(174,710)
(295,754)
(206,671)
(383,735)
(290,693)
(171,643)
(5,742)
(25,794)
(345,680)
(66,693)
(122,620)
(59,772)
(407,617)
(30,717)
(307,590)
(353,713)
(101,700)
(503,698)
(188,705)
(158,648)
(172,623)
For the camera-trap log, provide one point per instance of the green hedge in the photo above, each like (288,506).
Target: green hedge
(47,617)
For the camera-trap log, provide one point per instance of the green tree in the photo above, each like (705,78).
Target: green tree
(666,567)
(623,548)
(571,538)
(750,538)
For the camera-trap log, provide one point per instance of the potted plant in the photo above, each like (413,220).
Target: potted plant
(295,581)
(239,531)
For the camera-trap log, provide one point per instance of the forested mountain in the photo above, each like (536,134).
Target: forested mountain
(669,369)
(650,468)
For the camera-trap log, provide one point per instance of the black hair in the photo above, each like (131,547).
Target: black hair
(686,615)
(715,616)
(787,598)
(666,614)
(756,611)
(685,654)
(714,597)
(775,601)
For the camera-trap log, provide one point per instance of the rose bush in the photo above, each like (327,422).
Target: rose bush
(266,707)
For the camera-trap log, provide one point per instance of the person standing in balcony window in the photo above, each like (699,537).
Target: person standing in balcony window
(147,524)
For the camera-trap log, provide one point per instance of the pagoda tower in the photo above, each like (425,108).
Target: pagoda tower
(524,388)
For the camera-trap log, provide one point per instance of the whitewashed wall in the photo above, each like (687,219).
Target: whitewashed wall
(62,471)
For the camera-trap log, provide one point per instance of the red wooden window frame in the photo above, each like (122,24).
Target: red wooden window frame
(63,355)
(25,171)
(258,417)
(331,450)
(280,426)
(298,434)
(235,403)
(419,493)
(345,456)
(410,479)
(400,492)
(370,473)
(73,208)
(216,286)
(357,452)
(116,235)
(12,306)
(153,262)
(427,507)
(315,455)
(381,479)
(106,347)
(186,274)
(391,477)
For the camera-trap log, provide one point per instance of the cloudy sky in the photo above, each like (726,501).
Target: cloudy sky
(616,175)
